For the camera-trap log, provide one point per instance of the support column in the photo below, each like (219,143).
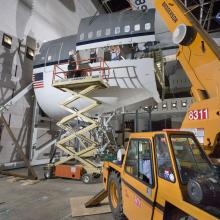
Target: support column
(136,129)
(150,119)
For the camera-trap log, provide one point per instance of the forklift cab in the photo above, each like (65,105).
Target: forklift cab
(167,175)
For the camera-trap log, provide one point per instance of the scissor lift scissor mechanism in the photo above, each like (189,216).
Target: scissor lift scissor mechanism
(80,88)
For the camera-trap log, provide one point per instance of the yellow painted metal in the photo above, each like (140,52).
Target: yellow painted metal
(163,191)
(135,206)
(79,89)
(201,62)
(168,191)
(113,194)
(75,83)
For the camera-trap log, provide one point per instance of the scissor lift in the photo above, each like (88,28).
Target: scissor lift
(80,88)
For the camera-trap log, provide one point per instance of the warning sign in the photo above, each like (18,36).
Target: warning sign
(199,133)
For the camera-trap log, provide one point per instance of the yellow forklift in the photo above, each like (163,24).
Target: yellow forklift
(167,174)
(164,175)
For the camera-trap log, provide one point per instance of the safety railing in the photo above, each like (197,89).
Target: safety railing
(81,69)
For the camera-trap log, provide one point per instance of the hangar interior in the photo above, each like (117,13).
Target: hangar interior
(79,80)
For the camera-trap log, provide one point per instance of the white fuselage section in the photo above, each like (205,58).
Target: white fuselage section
(131,84)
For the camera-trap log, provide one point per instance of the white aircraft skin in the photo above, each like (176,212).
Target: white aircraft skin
(131,82)
(126,90)
(133,86)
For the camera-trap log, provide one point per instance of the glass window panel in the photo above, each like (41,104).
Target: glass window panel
(137,27)
(82,36)
(147,26)
(99,33)
(117,30)
(90,35)
(165,169)
(139,160)
(108,31)
(127,28)
(190,159)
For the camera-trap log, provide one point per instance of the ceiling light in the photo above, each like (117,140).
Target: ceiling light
(7,41)
(174,105)
(184,104)
(164,105)
(30,53)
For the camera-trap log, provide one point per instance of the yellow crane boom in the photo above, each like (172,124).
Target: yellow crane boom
(199,56)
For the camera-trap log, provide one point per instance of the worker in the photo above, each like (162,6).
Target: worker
(93,56)
(115,53)
(162,151)
(107,54)
(146,169)
(120,156)
(78,72)
(71,64)
(163,159)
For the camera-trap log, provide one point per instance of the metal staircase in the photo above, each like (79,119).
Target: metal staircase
(159,69)
(79,88)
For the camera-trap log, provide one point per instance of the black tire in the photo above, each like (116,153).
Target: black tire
(115,196)
(176,214)
(181,216)
(86,178)
(48,173)
(96,175)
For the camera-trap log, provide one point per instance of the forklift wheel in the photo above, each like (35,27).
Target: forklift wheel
(96,175)
(86,178)
(114,196)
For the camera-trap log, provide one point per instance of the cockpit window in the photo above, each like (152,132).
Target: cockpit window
(190,159)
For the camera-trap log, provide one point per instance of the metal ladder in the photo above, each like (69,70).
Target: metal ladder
(159,69)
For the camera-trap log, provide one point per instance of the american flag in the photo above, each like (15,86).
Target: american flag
(38,80)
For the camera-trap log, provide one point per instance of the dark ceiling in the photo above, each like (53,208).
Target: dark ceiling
(114,5)
(205,13)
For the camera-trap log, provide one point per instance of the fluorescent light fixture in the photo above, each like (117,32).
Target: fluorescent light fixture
(174,105)
(30,53)
(7,41)
(184,104)
(164,105)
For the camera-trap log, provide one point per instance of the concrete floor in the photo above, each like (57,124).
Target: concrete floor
(47,199)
